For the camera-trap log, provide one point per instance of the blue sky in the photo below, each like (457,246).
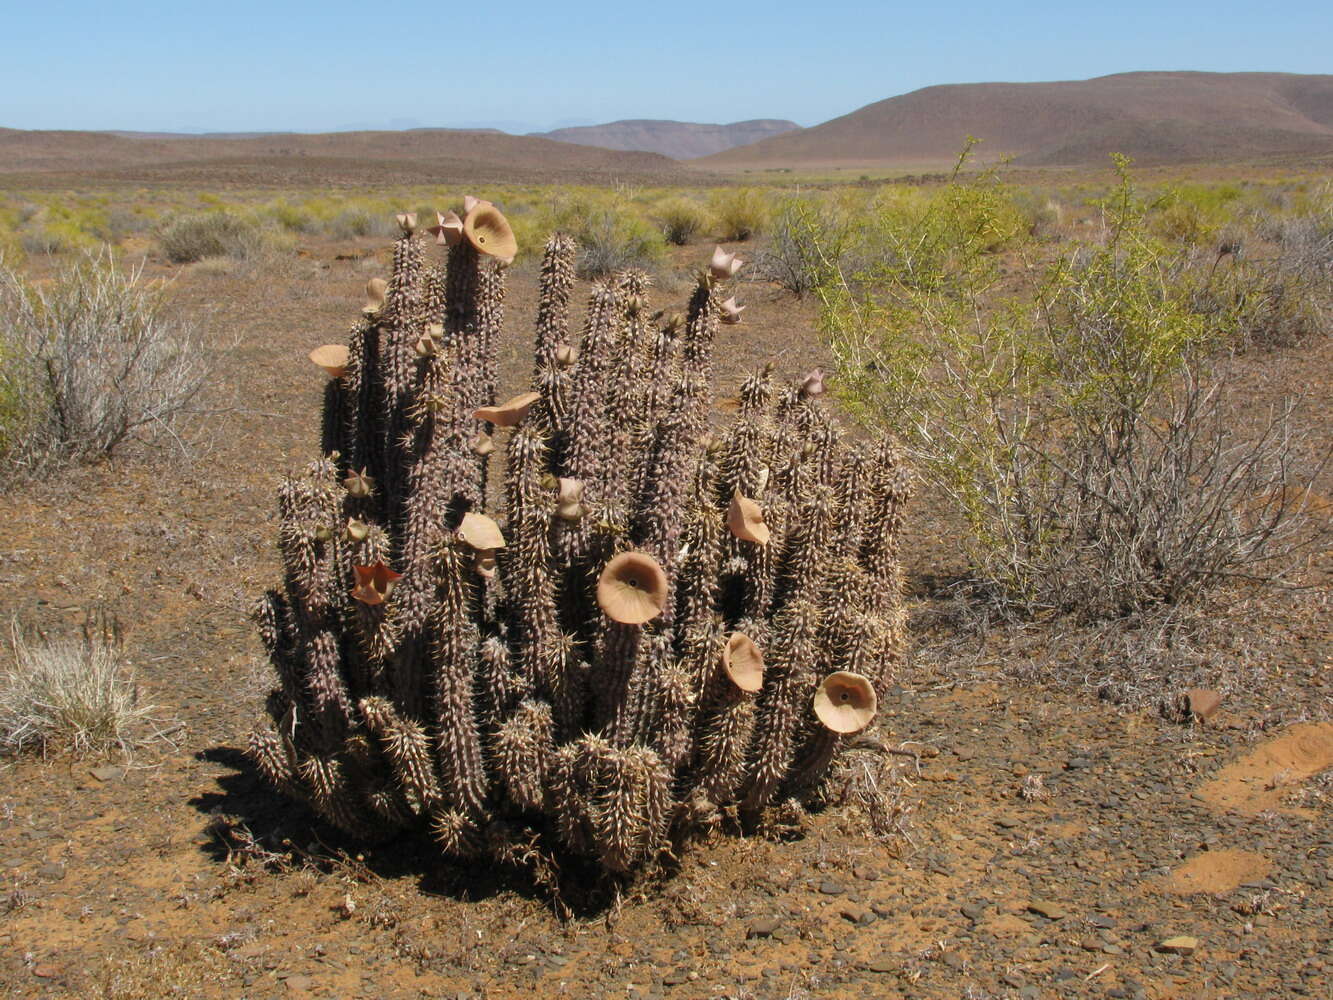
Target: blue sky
(525,65)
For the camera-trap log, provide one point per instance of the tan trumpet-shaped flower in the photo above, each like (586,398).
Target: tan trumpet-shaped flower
(376,289)
(332,358)
(723,265)
(483,536)
(428,344)
(374,583)
(745,520)
(845,702)
(471,202)
(569,504)
(482,443)
(480,532)
(407,222)
(489,231)
(448,229)
(813,384)
(731,312)
(360,484)
(632,588)
(743,662)
(510,412)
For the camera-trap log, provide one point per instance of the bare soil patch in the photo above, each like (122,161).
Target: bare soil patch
(1218,871)
(1260,779)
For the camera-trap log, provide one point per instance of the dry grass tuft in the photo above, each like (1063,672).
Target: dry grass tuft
(76,694)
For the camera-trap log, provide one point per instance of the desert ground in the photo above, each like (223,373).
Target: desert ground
(1029,817)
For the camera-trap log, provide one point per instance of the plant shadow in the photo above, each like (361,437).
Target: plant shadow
(254,824)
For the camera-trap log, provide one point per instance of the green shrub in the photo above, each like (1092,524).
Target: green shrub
(1079,425)
(947,239)
(811,241)
(610,242)
(65,223)
(1041,212)
(293,218)
(1194,213)
(14,397)
(739,213)
(680,220)
(124,221)
(357,222)
(188,238)
(1274,294)
(41,241)
(11,246)
(609,234)
(1268,301)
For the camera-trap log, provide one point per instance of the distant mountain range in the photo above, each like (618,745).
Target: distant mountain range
(1157,118)
(678,140)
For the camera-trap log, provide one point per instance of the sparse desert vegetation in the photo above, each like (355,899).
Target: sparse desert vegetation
(70,695)
(93,359)
(1116,394)
(1077,413)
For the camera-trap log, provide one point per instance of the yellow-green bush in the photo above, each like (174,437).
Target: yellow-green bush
(1194,213)
(1077,423)
(13,413)
(11,247)
(680,220)
(610,233)
(188,238)
(63,222)
(739,213)
(355,222)
(293,218)
(812,238)
(952,235)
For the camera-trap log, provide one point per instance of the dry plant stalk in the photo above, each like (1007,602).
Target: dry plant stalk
(663,620)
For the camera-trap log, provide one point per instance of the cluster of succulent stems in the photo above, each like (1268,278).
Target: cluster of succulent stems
(587,615)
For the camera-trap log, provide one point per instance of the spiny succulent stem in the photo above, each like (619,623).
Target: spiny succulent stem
(640,638)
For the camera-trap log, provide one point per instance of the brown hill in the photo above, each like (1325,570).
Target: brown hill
(415,156)
(1157,118)
(678,140)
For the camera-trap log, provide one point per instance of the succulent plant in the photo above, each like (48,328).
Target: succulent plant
(660,619)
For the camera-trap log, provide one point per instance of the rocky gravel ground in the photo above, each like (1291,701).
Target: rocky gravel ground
(1054,847)
(995,837)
